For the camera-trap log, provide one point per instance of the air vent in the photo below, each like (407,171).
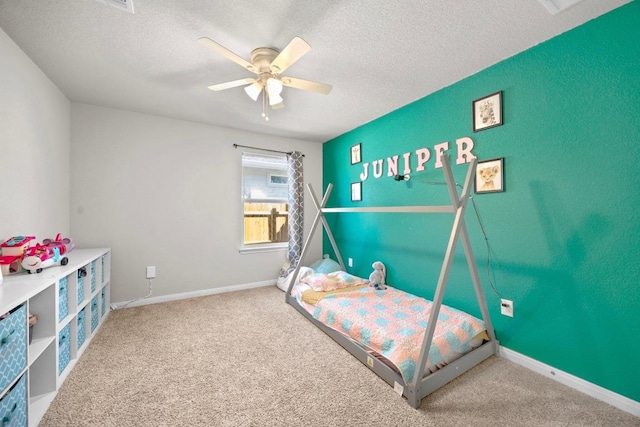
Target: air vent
(120,4)
(557,6)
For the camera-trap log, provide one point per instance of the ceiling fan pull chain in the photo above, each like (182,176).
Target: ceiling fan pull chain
(264,106)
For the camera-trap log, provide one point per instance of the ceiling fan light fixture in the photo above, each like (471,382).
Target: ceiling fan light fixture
(275,99)
(274,86)
(253,90)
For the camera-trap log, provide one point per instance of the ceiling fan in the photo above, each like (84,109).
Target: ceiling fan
(268,64)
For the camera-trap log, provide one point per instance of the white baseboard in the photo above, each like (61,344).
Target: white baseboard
(193,294)
(590,389)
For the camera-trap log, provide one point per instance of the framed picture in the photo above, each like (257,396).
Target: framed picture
(489,176)
(356,154)
(487,112)
(356,191)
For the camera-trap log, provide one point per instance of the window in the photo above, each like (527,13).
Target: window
(265,199)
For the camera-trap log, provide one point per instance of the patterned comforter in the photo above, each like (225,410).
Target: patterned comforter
(392,323)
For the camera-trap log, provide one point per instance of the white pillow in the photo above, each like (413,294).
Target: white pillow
(283,282)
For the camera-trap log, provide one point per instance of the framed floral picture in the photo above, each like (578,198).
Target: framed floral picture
(487,112)
(356,154)
(356,191)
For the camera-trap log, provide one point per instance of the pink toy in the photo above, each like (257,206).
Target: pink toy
(64,245)
(16,245)
(9,264)
(47,254)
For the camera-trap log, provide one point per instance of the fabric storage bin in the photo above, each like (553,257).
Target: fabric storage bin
(102,269)
(64,348)
(80,291)
(93,275)
(13,405)
(95,316)
(13,345)
(103,302)
(80,274)
(81,328)
(63,305)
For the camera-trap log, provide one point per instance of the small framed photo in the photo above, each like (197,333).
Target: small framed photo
(487,112)
(356,154)
(356,191)
(489,176)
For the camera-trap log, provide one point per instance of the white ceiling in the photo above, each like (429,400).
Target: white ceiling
(378,54)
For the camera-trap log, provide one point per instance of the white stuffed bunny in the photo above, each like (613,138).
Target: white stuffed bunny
(377,278)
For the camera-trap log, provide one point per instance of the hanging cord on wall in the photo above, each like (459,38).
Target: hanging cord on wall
(484,233)
(486,241)
(137,299)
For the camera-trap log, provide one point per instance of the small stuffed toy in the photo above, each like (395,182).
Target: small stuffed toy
(377,278)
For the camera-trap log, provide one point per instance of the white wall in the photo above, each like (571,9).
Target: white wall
(167,193)
(157,191)
(34,148)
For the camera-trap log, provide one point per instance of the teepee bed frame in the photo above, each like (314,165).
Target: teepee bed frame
(421,385)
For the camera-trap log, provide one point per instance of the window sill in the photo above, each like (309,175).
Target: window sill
(268,247)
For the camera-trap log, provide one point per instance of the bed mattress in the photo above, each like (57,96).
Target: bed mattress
(389,323)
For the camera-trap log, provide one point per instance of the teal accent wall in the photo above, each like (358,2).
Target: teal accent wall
(563,237)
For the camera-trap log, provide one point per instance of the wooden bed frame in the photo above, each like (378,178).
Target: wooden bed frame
(421,385)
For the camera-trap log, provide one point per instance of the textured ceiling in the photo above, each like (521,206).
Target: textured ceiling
(379,55)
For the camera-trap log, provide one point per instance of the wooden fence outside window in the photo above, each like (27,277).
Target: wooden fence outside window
(265,226)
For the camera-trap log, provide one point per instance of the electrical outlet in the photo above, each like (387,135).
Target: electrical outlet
(151,272)
(506,307)
(350,262)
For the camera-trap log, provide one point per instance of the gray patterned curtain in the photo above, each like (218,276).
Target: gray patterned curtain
(296,212)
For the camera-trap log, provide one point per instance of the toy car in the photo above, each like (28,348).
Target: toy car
(44,255)
(39,257)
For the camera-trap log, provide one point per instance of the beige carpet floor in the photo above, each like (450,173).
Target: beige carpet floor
(248,359)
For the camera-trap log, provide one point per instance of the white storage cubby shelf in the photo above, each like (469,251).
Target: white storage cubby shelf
(71,302)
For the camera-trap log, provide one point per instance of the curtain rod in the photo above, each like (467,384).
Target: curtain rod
(265,149)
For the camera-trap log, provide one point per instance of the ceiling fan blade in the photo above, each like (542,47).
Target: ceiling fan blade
(316,87)
(278,106)
(205,41)
(290,54)
(229,85)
